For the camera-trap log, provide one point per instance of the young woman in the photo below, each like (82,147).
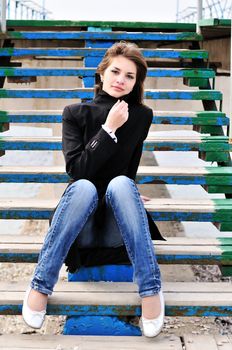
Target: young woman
(102,208)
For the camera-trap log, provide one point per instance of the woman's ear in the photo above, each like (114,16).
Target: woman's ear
(101,76)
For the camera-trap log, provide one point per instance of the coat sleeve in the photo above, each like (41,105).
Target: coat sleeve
(83,161)
(134,163)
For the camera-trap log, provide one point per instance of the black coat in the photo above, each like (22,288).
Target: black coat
(90,153)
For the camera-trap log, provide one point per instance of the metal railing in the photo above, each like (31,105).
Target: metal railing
(3,16)
(214,9)
(209,9)
(21,9)
(26,9)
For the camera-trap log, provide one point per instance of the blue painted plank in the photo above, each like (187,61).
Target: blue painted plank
(90,72)
(88,94)
(211,144)
(45,177)
(86,52)
(126,274)
(157,119)
(130,310)
(44,214)
(31,118)
(186,120)
(132,36)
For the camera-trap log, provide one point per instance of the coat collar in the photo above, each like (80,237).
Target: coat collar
(106,99)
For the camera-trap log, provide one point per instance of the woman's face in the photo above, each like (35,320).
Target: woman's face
(119,77)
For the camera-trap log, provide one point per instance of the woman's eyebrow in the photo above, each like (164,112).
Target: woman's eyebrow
(127,72)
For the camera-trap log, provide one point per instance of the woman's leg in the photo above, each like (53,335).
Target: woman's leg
(123,196)
(74,209)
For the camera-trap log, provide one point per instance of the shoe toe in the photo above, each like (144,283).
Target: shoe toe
(34,319)
(151,328)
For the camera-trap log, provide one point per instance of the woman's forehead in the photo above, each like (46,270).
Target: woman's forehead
(123,63)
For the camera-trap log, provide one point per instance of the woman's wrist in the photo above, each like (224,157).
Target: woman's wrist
(110,128)
(110,132)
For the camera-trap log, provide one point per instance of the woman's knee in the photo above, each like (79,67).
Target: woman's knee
(119,185)
(83,187)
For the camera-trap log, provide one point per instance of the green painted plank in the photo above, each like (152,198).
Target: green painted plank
(214,156)
(209,114)
(148,36)
(219,189)
(226,271)
(225,226)
(215,22)
(203,83)
(104,24)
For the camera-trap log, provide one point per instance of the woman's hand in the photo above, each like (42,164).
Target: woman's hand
(145,199)
(117,116)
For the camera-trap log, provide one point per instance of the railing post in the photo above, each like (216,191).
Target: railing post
(199,15)
(3,15)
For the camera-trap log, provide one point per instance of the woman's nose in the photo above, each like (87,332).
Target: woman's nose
(120,79)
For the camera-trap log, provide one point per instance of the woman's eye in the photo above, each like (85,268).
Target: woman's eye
(130,77)
(114,71)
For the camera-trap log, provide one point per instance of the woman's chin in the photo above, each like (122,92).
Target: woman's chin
(115,93)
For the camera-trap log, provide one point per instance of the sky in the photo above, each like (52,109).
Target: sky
(117,10)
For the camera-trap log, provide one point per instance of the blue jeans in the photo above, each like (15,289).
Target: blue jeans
(73,217)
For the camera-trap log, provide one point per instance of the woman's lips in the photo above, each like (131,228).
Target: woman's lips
(118,88)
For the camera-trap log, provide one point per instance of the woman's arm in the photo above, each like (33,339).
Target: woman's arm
(134,163)
(83,161)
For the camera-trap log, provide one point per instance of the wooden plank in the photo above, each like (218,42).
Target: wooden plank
(90,72)
(192,342)
(76,35)
(159,117)
(124,300)
(93,52)
(125,287)
(213,251)
(45,342)
(152,143)
(27,250)
(87,93)
(104,24)
(223,342)
(209,176)
(170,241)
(178,204)
(164,209)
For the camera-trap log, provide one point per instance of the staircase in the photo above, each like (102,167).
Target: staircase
(95,305)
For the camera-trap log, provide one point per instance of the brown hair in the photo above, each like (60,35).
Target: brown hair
(131,52)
